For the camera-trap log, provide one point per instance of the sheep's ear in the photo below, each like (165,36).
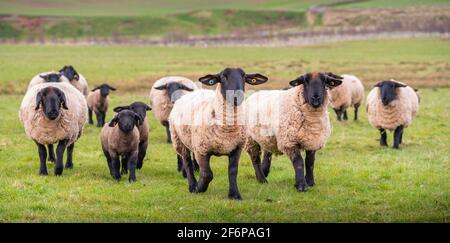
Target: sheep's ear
(44,77)
(378,84)
(333,81)
(121,108)
(113,122)
(59,75)
(62,98)
(210,79)
(39,99)
(398,85)
(184,87)
(255,79)
(298,81)
(148,108)
(95,89)
(76,76)
(330,74)
(111,88)
(161,87)
(416,90)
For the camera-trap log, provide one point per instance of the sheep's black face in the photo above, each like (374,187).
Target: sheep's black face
(52,77)
(126,119)
(51,99)
(232,82)
(104,90)
(174,90)
(315,85)
(139,108)
(387,90)
(70,73)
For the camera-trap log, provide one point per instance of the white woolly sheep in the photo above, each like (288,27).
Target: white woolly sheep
(120,138)
(211,123)
(164,93)
(75,78)
(141,109)
(98,102)
(392,105)
(287,121)
(349,94)
(53,113)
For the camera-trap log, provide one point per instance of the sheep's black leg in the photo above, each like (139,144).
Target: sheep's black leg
(59,157)
(125,160)
(108,160)
(233,164)
(132,165)
(401,137)
(90,117)
(115,167)
(397,134)
(42,159)
(338,114)
(266,163)
(255,156)
(297,162)
(141,154)
(188,167)
(69,161)
(356,112)
(180,166)
(103,118)
(99,118)
(194,161)
(309,164)
(345,115)
(383,138)
(51,153)
(206,174)
(169,138)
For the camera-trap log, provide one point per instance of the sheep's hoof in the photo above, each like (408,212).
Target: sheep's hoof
(262,180)
(58,171)
(69,166)
(116,177)
(51,159)
(301,188)
(123,172)
(234,196)
(193,187)
(131,180)
(396,147)
(310,183)
(43,173)
(139,166)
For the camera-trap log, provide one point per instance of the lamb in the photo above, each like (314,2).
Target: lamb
(120,140)
(98,101)
(349,93)
(53,113)
(210,123)
(392,105)
(47,77)
(163,95)
(141,109)
(287,121)
(75,78)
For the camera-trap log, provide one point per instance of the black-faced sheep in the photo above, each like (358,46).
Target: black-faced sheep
(141,109)
(53,113)
(288,121)
(163,95)
(211,123)
(392,105)
(120,141)
(75,78)
(98,102)
(349,94)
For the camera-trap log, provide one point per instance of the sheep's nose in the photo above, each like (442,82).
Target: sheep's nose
(52,115)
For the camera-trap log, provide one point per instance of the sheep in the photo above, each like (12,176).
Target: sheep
(392,105)
(163,95)
(349,93)
(47,77)
(75,78)
(98,101)
(120,140)
(287,121)
(210,123)
(53,113)
(141,109)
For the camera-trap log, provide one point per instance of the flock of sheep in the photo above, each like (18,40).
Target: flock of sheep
(201,123)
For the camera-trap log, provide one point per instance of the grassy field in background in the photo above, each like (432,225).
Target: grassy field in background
(161,7)
(357,181)
(419,62)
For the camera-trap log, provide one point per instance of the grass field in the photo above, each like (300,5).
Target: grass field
(357,181)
